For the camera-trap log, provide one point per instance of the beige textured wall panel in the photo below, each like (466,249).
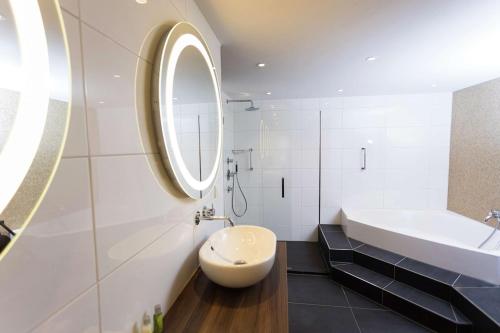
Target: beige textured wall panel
(474,184)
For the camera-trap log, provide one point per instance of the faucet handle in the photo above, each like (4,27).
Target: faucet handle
(208,212)
(494,213)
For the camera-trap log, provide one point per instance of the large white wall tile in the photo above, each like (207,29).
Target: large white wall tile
(366,117)
(80,316)
(71,6)
(111,108)
(408,136)
(246,121)
(150,22)
(76,141)
(132,209)
(406,199)
(155,276)
(331,118)
(53,261)
(407,116)
(181,6)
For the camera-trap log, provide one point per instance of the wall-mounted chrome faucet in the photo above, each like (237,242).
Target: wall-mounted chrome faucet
(493,214)
(209,214)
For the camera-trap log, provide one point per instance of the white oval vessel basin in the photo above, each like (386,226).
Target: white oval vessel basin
(239,256)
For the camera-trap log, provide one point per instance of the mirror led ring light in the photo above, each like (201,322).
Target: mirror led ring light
(189,37)
(22,144)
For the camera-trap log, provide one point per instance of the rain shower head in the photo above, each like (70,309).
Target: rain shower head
(250,108)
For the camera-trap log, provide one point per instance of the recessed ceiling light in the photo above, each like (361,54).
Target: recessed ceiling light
(101,102)
(117,76)
(434,85)
(141,2)
(268,93)
(261,65)
(2,18)
(368,59)
(340,91)
(244,94)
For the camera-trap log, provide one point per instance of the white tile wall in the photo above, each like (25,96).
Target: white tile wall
(111,239)
(407,141)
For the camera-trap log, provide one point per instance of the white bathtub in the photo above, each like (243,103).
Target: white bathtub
(440,238)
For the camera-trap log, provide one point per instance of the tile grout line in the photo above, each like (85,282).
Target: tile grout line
(426,276)
(89,159)
(394,268)
(458,277)
(350,308)
(95,29)
(454,314)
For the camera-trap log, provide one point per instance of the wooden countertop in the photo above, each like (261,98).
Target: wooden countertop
(204,306)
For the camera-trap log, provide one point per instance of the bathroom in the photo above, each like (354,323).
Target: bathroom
(249,166)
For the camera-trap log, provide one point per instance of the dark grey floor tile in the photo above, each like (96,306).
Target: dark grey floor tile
(320,319)
(373,321)
(427,270)
(315,289)
(337,240)
(331,227)
(365,274)
(467,281)
(421,299)
(359,301)
(355,243)
(383,255)
(486,299)
(305,257)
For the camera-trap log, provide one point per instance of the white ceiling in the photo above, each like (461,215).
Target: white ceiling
(312,48)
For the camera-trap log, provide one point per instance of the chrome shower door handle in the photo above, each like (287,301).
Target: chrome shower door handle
(363,166)
(250,158)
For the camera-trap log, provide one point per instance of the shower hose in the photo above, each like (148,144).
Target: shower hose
(242,194)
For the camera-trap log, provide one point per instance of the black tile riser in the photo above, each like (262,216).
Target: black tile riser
(482,324)
(423,283)
(418,314)
(341,255)
(374,264)
(367,289)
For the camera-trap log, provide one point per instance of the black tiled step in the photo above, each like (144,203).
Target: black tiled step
(466,281)
(433,280)
(483,323)
(334,243)
(376,259)
(361,279)
(426,309)
(305,257)
(480,307)
(486,298)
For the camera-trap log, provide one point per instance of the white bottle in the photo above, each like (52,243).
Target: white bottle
(147,325)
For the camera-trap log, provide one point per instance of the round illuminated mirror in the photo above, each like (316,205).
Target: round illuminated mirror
(187,107)
(34,108)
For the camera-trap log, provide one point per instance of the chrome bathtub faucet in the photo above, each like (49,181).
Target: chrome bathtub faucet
(493,214)
(209,214)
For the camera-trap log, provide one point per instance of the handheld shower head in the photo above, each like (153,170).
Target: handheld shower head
(250,108)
